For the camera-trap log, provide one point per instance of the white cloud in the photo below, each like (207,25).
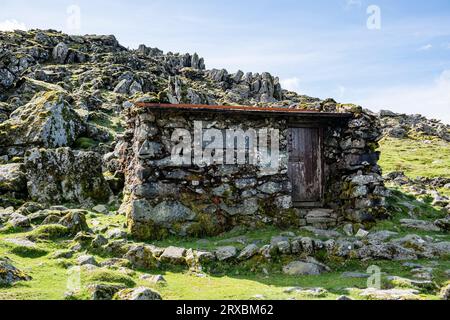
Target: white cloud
(426,47)
(291,84)
(432,101)
(353,3)
(11,25)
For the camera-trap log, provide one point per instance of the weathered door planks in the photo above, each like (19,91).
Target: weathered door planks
(305,165)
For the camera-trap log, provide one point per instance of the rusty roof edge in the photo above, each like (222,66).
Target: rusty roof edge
(244,109)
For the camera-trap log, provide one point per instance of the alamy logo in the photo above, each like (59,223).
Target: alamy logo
(206,147)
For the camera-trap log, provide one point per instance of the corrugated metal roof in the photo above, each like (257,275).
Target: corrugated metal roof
(240,109)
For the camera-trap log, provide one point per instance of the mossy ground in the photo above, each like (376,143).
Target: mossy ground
(418,156)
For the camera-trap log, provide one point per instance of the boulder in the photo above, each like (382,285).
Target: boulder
(321,217)
(361,234)
(86,260)
(248,252)
(419,225)
(103,291)
(141,256)
(48,120)
(443,224)
(155,279)
(173,255)
(12,178)
(9,274)
(100,209)
(64,175)
(385,251)
(226,253)
(140,293)
(116,233)
(391,294)
(422,285)
(75,221)
(19,221)
(60,53)
(302,268)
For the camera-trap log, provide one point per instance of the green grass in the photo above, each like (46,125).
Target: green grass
(416,157)
(239,281)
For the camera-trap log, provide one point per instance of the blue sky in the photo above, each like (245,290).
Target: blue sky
(320,48)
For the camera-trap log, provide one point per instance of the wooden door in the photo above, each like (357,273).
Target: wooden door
(305,165)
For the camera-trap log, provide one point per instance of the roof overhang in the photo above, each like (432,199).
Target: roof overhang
(251,110)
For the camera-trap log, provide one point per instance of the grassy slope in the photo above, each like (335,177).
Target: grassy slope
(416,156)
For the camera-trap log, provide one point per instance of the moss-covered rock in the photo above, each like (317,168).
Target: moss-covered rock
(48,120)
(9,274)
(63,175)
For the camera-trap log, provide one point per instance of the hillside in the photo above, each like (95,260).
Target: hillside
(68,95)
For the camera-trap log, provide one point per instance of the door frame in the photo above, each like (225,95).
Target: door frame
(321,127)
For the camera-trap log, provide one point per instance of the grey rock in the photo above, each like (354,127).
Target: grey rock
(361,234)
(99,241)
(391,294)
(271,187)
(248,252)
(63,175)
(173,255)
(366,179)
(155,279)
(86,260)
(141,256)
(443,224)
(12,178)
(323,233)
(321,216)
(103,292)
(138,294)
(348,229)
(386,251)
(75,221)
(419,225)
(9,274)
(423,285)
(116,233)
(19,221)
(247,207)
(63,254)
(226,253)
(100,209)
(123,86)
(245,183)
(300,268)
(381,235)
(60,53)
(284,247)
(314,292)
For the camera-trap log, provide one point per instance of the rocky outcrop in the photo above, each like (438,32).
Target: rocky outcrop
(9,274)
(63,175)
(138,294)
(400,126)
(46,121)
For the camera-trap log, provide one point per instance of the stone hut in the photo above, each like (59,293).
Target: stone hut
(198,170)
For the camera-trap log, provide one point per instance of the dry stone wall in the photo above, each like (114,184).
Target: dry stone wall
(194,200)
